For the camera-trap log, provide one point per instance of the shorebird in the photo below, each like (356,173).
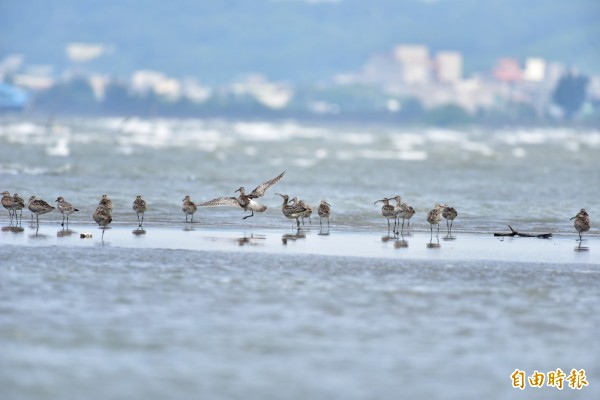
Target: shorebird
(324,212)
(387,210)
(434,217)
(106,203)
(409,215)
(139,206)
(402,210)
(102,217)
(245,201)
(38,207)
(189,208)
(7,203)
(449,214)
(65,208)
(307,211)
(582,222)
(291,211)
(17,205)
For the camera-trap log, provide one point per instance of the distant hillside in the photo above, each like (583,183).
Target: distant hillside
(296,40)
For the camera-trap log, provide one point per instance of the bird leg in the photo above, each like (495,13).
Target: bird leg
(248,216)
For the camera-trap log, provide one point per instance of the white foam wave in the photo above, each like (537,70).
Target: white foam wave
(18,169)
(60,148)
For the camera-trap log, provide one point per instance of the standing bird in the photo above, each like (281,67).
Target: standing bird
(7,203)
(324,212)
(291,211)
(409,214)
(434,217)
(401,210)
(582,222)
(103,217)
(307,211)
(106,203)
(449,214)
(17,205)
(38,207)
(66,209)
(139,206)
(387,210)
(189,208)
(245,201)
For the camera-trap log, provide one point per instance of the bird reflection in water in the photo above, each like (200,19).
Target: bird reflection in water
(64,233)
(300,234)
(449,237)
(387,238)
(252,240)
(13,229)
(401,244)
(581,248)
(434,244)
(138,231)
(324,231)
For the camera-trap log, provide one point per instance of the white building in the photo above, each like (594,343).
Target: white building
(535,70)
(146,80)
(449,66)
(414,62)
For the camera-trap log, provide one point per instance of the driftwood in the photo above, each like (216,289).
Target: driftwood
(515,233)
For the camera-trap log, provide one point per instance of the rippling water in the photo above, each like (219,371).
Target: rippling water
(532,178)
(140,318)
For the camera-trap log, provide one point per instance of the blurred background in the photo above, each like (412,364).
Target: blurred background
(433,62)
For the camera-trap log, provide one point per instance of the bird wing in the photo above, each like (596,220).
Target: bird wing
(44,204)
(261,189)
(222,201)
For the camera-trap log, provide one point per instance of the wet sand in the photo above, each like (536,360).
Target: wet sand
(415,245)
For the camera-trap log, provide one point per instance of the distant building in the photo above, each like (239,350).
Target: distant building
(195,92)
(382,69)
(34,82)
(12,98)
(535,70)
(414,62)
(98,84)
(270,94)
(144,81)
(448,66)
(508,70)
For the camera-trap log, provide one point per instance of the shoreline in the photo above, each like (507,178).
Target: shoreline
(417,245)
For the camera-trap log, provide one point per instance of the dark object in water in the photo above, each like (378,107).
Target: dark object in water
(515,233)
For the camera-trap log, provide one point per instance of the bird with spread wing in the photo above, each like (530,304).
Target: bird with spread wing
(245,201)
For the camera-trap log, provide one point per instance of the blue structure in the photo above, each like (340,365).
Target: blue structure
(12,98)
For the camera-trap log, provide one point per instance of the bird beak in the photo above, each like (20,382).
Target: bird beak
(279,194)
(236,191)
(573,218)
(377,202)
(328,204)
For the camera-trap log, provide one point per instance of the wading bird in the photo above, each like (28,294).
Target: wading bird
(245,201)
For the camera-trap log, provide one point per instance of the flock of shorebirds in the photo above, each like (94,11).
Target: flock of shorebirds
(293,209)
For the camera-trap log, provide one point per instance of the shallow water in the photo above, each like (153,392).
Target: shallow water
(254,309)
(533,179)
(97,322)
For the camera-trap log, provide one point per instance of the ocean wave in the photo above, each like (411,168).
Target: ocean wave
(18,169)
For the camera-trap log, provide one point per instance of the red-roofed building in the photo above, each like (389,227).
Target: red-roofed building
(508,70)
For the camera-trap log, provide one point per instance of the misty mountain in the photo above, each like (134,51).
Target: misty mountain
(296,40)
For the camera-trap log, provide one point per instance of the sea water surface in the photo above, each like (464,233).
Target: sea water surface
(256,309)
(531,178)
